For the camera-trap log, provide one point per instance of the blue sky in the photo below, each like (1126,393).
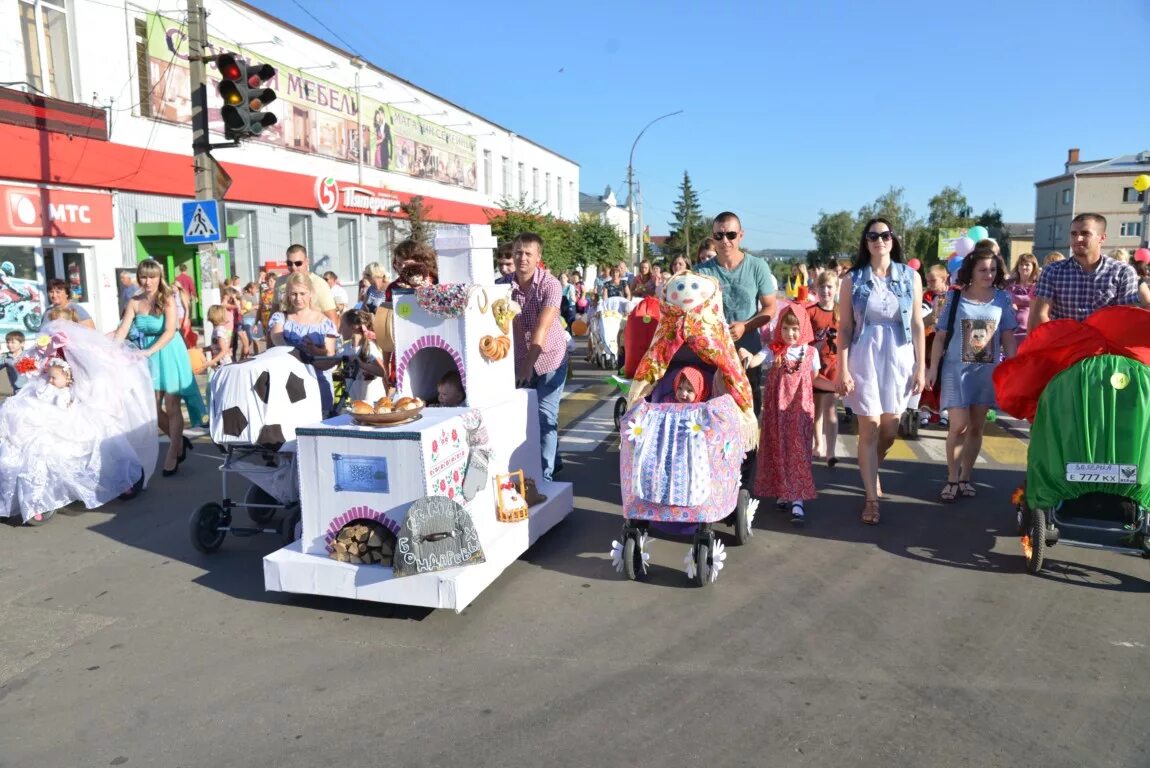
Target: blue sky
(790,106)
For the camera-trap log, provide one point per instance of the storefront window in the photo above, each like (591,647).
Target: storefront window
(348,256)
(22,260)
(299,230)
(242,246)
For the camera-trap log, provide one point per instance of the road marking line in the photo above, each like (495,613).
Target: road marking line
(1005,450)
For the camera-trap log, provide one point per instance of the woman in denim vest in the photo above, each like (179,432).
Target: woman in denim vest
(882,359)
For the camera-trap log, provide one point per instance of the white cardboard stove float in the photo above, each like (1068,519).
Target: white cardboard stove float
(411,466)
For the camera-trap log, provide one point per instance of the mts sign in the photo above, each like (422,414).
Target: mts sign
(44,212)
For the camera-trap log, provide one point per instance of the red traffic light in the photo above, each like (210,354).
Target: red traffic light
(228,66)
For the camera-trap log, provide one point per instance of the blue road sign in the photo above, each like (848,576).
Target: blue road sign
(202,222)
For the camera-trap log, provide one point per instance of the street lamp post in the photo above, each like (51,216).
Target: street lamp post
(631,189)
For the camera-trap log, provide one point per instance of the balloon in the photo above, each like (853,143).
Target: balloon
(914,264)
(1142,255)
(1142,183)
(954,263)
(963,246)
(977,233)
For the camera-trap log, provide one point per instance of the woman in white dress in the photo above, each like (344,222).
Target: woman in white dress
(882,360)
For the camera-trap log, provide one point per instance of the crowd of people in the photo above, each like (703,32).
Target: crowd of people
(874,333)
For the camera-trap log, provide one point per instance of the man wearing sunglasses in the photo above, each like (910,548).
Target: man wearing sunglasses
(297,261)
(748,288)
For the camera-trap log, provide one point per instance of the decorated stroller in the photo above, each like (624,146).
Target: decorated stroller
(256,407)
(680,463)
(1086,386)
(604,327)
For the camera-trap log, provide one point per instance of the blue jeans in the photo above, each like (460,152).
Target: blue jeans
(549,389)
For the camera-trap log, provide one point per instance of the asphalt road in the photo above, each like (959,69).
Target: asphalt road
(920,642)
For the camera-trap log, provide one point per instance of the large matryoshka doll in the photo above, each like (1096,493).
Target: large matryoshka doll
(692,315)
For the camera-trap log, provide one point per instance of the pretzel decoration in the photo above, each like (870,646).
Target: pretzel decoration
(504,311)
(494,347)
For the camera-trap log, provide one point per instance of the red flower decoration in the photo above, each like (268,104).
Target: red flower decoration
(455,475)
(442,485)
(451,493)
(434,446)
(455,435)
(25,365)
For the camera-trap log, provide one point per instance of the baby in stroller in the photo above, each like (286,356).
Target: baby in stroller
(689,424)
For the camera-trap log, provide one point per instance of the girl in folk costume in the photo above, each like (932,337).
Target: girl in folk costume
(784,463)
(84,429)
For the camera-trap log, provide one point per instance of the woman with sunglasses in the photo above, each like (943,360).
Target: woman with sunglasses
(882,358)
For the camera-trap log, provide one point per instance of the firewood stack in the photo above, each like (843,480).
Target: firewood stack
(363,542)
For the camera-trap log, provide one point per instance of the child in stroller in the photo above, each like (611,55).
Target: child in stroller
(682,451)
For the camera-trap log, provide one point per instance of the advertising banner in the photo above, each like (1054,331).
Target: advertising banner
(946,238)
(315,116)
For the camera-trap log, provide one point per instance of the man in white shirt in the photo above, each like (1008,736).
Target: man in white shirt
(338,292)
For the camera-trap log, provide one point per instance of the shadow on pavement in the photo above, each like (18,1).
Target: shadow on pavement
(916,526)
(157,521)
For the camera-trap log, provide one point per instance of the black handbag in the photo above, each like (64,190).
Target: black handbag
(951,314)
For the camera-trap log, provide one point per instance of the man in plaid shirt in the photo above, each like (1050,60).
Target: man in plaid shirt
(1078,286)
(539,342)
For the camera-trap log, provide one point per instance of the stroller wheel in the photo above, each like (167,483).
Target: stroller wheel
(742,524)
(44,517)
(204,527)
(258,496)
(702,557)
(631,566)
(620,412)
(289,526)
(1034,541)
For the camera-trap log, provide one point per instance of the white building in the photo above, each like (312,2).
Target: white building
(97,146)
(608,210)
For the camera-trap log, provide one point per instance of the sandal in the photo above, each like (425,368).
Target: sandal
(966,490)
(870,514)
(948,493)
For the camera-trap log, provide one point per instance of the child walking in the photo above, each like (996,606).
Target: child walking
(824,317)
(220,351)
(784,459)
(14,340)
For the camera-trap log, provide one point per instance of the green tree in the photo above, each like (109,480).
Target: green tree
(595,242)
(891,206)
(688,228)
(515,217)
(417,219)
(836,237)
(949,209)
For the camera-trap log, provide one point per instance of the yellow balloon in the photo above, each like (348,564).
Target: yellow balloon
(1142,183)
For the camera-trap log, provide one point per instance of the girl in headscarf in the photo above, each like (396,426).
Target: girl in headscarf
(784,460)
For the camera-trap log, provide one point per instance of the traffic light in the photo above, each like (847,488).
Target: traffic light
(245,96)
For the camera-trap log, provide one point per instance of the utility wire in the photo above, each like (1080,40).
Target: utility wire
(334,34)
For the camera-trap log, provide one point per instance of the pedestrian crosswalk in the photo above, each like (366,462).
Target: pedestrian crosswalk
(586,425)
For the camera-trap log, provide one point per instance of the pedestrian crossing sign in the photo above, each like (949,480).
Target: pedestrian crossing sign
(202,222)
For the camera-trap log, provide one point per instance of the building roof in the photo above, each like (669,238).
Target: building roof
(1019,230)
(1132,164)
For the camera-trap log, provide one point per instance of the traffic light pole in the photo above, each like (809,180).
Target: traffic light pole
(201,139)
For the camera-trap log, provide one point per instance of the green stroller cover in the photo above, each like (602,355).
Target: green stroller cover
(1091,433)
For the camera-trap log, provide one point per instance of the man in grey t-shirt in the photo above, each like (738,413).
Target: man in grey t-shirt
(748,288)
(749,291)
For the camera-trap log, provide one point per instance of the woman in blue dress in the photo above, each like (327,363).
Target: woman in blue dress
(983,325)
(309,330)
(153,315)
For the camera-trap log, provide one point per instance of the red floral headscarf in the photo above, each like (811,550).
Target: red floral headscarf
(806,333)
(698,382)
